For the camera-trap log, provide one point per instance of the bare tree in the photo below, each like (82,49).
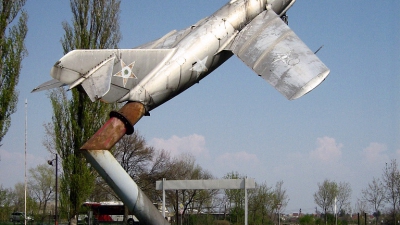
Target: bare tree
(391,181)
(41,183)
(280,199)
(134,156)
(361,206)
(343,197)
(374,194)
(184,167)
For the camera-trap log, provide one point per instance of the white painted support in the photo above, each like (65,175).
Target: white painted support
(163,199)
(123,185)
(207,185)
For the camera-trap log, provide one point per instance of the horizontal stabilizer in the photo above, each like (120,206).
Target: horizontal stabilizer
(272,50)
(106,74)
(48,85)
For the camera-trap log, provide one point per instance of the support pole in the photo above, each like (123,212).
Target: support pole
(163,199)
(245,203)
(56,200)
(96,152)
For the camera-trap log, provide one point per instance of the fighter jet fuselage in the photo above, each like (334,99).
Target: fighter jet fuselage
(157,71)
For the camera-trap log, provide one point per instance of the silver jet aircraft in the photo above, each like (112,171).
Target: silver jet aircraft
(153,73)
(157,71)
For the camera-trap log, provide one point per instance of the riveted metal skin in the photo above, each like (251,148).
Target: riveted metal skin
(115,128)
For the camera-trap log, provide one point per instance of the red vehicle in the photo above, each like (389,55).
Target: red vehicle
(105,212)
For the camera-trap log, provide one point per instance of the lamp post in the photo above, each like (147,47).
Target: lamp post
(50,162)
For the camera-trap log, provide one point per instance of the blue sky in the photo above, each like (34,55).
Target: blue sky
(345,130)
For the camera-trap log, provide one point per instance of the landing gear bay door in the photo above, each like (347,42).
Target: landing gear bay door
(272,50)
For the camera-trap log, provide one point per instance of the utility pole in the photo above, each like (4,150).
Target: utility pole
(26,125)
(50,162)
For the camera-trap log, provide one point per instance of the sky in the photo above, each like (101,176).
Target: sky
(345,130)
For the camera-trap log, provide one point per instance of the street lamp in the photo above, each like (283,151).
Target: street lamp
(50,162)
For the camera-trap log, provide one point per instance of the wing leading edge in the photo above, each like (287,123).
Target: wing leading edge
(272,50)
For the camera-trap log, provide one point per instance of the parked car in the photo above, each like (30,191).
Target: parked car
(19,217)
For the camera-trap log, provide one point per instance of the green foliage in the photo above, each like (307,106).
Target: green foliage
(236,215)
(12,52)
(221,222)
(200,219)
(325,196)
(5,203)
(95,25)
(307,220)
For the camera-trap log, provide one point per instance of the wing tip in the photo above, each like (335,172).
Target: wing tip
(313,83)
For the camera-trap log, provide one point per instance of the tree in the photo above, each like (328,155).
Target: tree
(391,180)
(374,194)
(280,198)
(324,197)
(135,157)
(184,167)
(17,199)
(5,203)
(343,197)
(12,52)
(261,201)
(361,206)
(235,200)
(41,184)
(95,25)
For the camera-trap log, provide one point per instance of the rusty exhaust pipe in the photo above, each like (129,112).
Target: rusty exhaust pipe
(116,127)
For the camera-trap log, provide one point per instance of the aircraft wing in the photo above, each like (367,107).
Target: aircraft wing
(49,85)
(272,50)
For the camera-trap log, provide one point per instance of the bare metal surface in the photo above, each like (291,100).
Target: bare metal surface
(155,72)
(272,50)
(113,130)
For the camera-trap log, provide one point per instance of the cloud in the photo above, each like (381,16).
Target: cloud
(375,153)
(327,150)
(194,144)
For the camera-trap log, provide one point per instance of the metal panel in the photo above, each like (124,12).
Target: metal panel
(272,50)
(49,85)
